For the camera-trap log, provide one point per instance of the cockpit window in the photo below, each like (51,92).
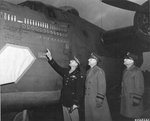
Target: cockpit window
(14,62)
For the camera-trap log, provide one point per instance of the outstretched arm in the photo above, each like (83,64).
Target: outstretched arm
(53,63)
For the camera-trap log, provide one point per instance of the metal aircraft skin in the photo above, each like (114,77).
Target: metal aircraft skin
(25,32)
(25,27)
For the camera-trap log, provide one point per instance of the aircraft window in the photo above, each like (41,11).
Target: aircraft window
(5,16)
(44,25)
(27,21)
(12,18)
(51,27)
(40,24)
(30,22)
(14,62)
(47,26)
(8,17)
(15,18)
(35,23)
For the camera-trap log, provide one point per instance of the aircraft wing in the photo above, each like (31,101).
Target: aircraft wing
(125,4)
(18,101)
(126,39)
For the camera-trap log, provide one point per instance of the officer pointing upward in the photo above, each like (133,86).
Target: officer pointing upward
(72,90)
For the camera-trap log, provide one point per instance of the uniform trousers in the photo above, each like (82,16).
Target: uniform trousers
(74,116)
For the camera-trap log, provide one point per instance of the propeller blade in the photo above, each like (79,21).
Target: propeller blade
(124,4)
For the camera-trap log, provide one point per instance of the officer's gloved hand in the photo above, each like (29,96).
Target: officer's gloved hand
(73,108)
(99,102)
(136,101)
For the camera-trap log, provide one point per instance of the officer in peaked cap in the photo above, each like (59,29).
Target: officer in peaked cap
(72,90)
(96,57)
(96,106)
(131,56)
(77,60)
(138,60)
(132,88)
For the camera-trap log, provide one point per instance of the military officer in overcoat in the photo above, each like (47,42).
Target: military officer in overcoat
(132,88)
(96,106)
(72,89)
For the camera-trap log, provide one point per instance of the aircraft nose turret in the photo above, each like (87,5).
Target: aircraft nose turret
(70,10)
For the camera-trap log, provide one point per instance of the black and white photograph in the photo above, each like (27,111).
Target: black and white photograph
(74,60)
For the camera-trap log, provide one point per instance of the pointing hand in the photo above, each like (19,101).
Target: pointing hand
(48,54)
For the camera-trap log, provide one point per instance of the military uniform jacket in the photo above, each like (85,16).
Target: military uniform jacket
(72,90)
(132,87)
